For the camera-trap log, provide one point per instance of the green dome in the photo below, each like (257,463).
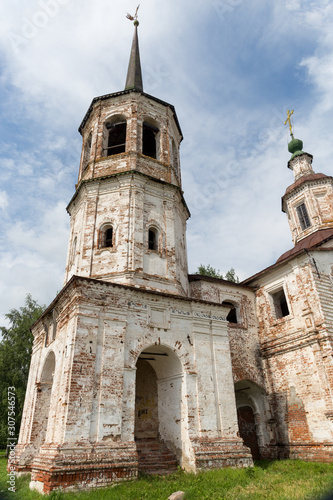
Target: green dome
(295,147)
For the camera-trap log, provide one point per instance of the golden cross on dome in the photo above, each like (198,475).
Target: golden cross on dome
(289,121)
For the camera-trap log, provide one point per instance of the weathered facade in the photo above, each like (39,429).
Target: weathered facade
(295,313)
(137,359)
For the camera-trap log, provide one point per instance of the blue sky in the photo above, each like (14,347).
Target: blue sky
(231,68)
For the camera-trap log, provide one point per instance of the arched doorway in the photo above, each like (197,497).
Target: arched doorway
(43,400)
(158,408)
(247,430)
(146,401)
(252,413)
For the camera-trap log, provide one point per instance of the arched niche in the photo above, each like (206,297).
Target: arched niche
(48,369)
(43,401)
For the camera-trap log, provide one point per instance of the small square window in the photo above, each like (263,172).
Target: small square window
(232,316)
(280,304)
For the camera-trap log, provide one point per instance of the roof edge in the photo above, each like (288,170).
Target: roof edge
(202,277)
(128,172)
(272,266)
(76,278)
(297,253)
(124,92)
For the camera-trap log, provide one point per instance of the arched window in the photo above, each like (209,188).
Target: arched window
(303,216)
(232,316)
(152,239)
(114,137)
(149,136)
(50,327)
(87,151)
(106,237)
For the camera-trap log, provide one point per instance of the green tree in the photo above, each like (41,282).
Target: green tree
(15,355)
(215,273)
(209,271)
(231,275)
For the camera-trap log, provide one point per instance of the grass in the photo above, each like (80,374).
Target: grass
(276,480)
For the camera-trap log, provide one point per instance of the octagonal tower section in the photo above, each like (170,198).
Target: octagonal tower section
(128,214)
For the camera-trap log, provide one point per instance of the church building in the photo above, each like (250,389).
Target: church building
(139,367)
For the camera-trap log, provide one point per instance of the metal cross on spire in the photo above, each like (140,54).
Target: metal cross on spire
(289,121)
(135,17)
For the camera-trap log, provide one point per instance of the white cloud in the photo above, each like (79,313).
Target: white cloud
(3,200)
(230,68)
(35,259)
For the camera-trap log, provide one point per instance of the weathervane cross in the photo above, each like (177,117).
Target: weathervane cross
(135,17)
(289,121)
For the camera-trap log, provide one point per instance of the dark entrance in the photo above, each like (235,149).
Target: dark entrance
(146,410)
(247,429)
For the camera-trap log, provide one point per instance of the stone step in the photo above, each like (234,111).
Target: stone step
(158,465)
(154,465)
(152,458)
(155,458)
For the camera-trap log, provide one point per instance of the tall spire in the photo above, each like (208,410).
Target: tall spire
(134,75)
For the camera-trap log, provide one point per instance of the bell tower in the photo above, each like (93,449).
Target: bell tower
(128,214)
(308,202)
(125,363)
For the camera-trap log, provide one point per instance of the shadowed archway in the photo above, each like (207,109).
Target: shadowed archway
(43,399)
(252,413)
(158,408)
